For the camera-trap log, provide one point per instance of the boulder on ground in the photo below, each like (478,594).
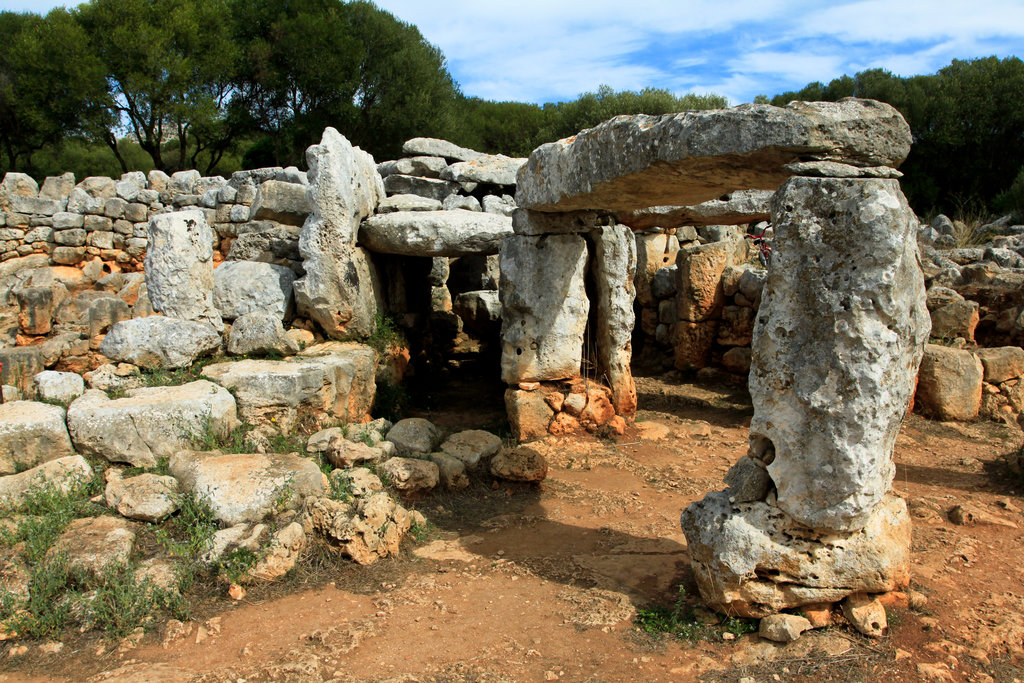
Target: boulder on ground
(95,543)
(247,487)
(241,287)
(411,474)
(259,333)
(63,474)
(522,463)
(1002,363)
(151,422)
(751,559)
(414,435)
(31,433)
(783,628)
(529,415)
(341,451)
(950,383)
(280,555)
(368,529)
(451,470)
(146,497)
(59,386)
(471,446)
(866,614)
(159,342)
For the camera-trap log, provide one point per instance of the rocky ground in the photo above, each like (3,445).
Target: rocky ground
(553,581)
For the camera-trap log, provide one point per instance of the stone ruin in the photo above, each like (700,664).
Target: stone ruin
(838,330)
(807,517)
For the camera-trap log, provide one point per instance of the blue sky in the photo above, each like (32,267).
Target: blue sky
(553,50)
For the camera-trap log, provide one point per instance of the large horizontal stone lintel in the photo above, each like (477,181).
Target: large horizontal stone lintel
(633,162)
(736,208)
(435,233)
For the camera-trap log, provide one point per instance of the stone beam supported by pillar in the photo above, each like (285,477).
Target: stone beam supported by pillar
(614,250)
(544,307)
(838,339)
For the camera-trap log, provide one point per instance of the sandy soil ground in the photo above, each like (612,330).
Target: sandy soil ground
(542,583)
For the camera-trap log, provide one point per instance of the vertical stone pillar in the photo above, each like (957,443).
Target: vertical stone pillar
(614,272)
(179,267)
(807,517)
(544,307)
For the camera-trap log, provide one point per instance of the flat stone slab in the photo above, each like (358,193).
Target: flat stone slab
(247,487)
(634,162)
(438,148)
(435,233)
(159,342)
(147,497)
(64,474)
(150,423)
(496,169)
(744,206)
(95,543)
(31,433)
(241,287)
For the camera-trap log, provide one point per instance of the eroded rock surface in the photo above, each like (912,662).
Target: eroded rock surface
(179,267)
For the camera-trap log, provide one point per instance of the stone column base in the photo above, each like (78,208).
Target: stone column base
(752,559)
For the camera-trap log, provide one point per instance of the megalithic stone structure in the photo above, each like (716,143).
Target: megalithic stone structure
(808,516)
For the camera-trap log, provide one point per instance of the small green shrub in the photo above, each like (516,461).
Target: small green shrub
(683,622)
(237,564)
(50,603)
(185,536)
(120,603)
(386,335)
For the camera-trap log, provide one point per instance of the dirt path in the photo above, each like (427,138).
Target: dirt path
(522,583)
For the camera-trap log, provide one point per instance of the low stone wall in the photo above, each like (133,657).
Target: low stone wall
(108,218)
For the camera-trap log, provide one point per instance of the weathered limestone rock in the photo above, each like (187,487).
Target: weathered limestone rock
(838,336)
(654,251)
(281,554)
(147,497)
(866,614)
(280,202)
(247,487)
(367,530)
(31,433)
(752,559)
(480,311)
(259,333)
(692,157)
(495,169)
(150,423)
(241,287)
(528,414)
(423,166)
(266,242)
(614,271)
(407,202)
(20,364)
(435,233)
(699,290)
(950,383)
(543,317)
(1002,363)
(16,185)
(522,463)
(37,305)
(471,446)
(342,452)
(461,202)
(63,474)
(337,290)
(159,342)
(952,315)
(428,188)
(783,628)
(693,343)
(414,435)
(92,312)
(744,206)
(59,386)
(438,148)
(179,267)
(411,474)
(95,543)
(353,368)
(451,470)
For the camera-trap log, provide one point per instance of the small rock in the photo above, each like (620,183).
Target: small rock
(236,592)
(411,474)
(519,464)
(866,614)
(414,435)
(783,628)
